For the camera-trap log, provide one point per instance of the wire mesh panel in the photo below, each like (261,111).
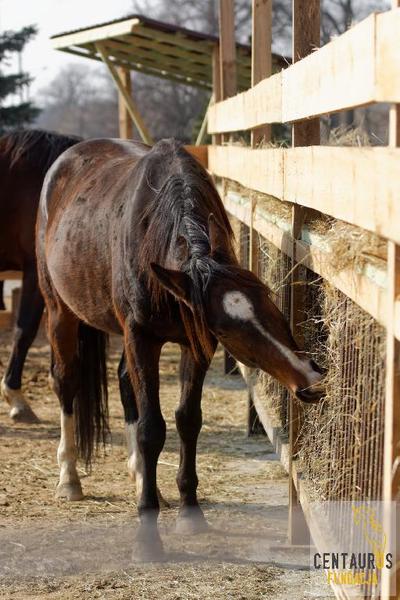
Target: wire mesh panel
(274,269)
(341,440)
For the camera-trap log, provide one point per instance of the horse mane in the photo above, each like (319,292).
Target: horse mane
(38,147)
(176,223)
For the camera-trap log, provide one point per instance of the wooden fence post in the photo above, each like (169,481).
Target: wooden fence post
(216,79)
(261,68)
(391,450)
(261,56)
(228,87)
(227,55)
(306,37)
(125,121)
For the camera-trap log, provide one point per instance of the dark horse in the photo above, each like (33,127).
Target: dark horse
(25,157)
(136,241)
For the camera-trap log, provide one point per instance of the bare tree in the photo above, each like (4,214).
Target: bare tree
(81,100)
(340,15)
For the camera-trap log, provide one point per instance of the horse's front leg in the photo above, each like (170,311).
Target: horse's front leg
(188,421)
(143,354)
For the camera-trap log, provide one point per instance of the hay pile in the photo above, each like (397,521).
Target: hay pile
(341,440)
(274,269)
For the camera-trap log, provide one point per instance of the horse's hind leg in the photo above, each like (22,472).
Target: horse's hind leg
(63,335)
(29,314)
(188,421)
(135,461)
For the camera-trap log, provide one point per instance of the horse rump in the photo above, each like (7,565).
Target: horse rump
(91,402)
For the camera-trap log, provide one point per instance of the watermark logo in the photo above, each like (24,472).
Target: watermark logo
(353,547)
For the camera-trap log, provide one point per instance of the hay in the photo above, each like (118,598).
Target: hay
(347,245)
(273,210)
(349,136)
(274,270)
(341,440)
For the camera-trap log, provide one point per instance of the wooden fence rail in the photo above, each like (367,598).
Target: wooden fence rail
(345,183)
(358,68)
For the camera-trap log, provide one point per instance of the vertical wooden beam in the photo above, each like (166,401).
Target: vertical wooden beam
(227,56)
(129,103)
(261,56)
(306,37)
(391,449)
(227,48)
(216,82)
(228,84)
(261,67)
(125,121)
(203,127)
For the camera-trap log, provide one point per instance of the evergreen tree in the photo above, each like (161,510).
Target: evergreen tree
(14,115)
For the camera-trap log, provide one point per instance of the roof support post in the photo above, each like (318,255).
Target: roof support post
(125,121)
(203,128)
(125,96)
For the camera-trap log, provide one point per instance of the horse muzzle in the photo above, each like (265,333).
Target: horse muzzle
(311,395)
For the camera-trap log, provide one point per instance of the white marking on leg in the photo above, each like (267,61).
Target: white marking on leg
(238,306)
(135,460)
(66,453)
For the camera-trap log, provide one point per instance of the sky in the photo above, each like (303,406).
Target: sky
(52,17)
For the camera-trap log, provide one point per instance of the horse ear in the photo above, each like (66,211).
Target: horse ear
(217,235)
(176,282)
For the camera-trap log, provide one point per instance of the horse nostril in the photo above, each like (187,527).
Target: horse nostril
(317,368)
(310,395)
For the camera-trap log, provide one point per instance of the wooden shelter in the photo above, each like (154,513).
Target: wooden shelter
(137,43)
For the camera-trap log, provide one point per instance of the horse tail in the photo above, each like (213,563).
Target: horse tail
(91,403)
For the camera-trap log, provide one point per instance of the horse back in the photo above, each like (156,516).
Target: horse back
(25,156)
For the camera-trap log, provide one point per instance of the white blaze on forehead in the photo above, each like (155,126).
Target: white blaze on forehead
(238,306)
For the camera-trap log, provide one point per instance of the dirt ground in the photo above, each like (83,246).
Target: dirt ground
(55,550)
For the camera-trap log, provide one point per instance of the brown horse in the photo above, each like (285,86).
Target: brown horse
(135,240)
(25,157)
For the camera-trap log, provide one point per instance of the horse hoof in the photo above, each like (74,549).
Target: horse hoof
(191,522)
(148,549)
(20,411)
(23,414)
(71,492)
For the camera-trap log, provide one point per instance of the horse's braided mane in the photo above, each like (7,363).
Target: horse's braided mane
(37,147)
(176,219)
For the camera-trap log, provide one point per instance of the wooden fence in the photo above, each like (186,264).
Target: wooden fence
(357,185)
